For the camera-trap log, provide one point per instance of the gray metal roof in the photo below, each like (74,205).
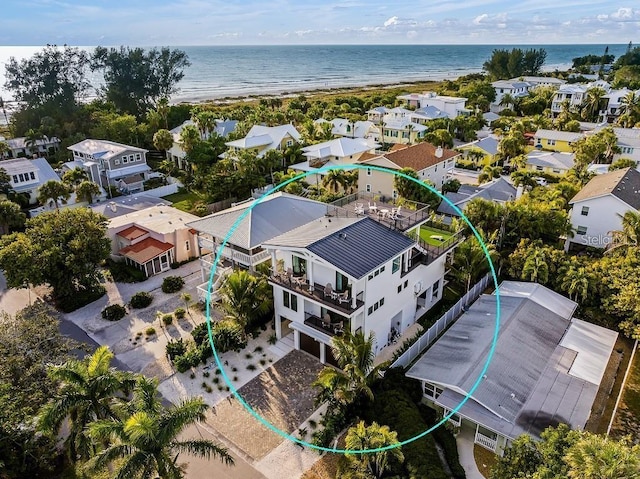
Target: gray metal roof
(361,247)
(304,235)
(276,214)
(541,295)
(532,381)
(498,190)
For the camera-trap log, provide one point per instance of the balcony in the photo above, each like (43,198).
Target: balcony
(336,326)
(316,293)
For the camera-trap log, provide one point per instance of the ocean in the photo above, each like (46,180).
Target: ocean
(232,71)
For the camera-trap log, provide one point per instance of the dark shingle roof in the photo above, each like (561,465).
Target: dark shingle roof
(361,247)
(623,184)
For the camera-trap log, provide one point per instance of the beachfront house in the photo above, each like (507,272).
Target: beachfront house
(26,176)
(153,238)
(554,140)
(428,161)
(550,162)
(598,208)
(177,154)
(276,214)
(111,164)
(546,369)
(351,273)
(451,105)
(498,191)
(261,139)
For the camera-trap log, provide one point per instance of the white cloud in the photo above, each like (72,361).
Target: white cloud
(391,21)
(624,13)
(480,18)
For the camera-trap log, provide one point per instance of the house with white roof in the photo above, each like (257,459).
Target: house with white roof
(599,206)
(276,214)
(177,154)
(402,131)
(428,161)
(375,115)
(555,140)
(546,366)
(341,273)
(614,99)
(21,148)
(551,162)
(451,105)
(153,238)
(516,88)
(26,176)
(261,139)
(111,164)
(426,114)
(341,151)
(354,129)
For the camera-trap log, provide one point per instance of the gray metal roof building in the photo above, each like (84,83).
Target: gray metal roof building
(546,368)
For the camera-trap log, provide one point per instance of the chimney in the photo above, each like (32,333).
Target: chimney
(112,206)
(519,191)
(439,152)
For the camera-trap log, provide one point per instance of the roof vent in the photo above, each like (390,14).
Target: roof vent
(439,152)
(343,235)
(484,376)
(513,396)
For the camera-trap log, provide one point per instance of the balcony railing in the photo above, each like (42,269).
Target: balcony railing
(332,328)
(486,441)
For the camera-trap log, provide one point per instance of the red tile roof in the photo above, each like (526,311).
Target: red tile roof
(146,250)
(132,232)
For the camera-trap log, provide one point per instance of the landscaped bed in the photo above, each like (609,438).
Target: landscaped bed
(434,236)
(183,200)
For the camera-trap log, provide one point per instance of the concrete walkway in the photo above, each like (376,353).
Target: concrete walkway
(386,353)
(465,442)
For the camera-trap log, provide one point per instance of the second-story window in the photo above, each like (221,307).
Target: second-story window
(585,211)
(299,266)
(396,264)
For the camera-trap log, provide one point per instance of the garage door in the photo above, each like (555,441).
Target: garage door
(309,345)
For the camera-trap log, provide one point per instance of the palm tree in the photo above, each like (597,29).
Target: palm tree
(163,141)
(55,191)
(144,441)
(525,178)
(245,297)
(75,177)
(507,100)
(470,261)
(489,173)
(32,137)
(189,138)
(512,145)
(354,355)
(87,190)
(11,216)
(591,103)
(89,390)
(519,162)
(536,267)
(163,111)
(575,282)
(597,457)
(334,180)
(4,149)
(370,465)
(629,235)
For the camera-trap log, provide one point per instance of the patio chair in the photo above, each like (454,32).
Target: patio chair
(373,207)
(328,291)
(359,209)
(301,281)
(326,321)
(344,297)
(338,327)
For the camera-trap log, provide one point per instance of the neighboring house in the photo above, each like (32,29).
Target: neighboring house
(177,154)
(487,148)
(276,214)
(599,206)
(402,131)
(19,147)
(375,115)
(341,151)
(350,274)
(26,176)
(543,81)
(499,191)
(516,88)
(153,238)
(358,129)
(261,139)
(546,368)
(574,95)
(428,161)
(614,99)
(451,105)
(554,140)
(550,162)
(123,205)
(426,114)
(628,141)
(111,164)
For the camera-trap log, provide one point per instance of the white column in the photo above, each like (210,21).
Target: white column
(323,353)
(278,321)
(274,261)
(296,339)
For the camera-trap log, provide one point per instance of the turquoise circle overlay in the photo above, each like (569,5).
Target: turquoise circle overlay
(286,435)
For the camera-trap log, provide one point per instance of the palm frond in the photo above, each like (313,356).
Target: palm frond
(204,448)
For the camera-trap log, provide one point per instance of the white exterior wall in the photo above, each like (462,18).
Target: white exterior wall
(437,174)
(605,215)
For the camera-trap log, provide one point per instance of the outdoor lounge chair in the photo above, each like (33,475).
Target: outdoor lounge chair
(373,207)
(338,327)
(344,297)
(301,281)
(326,321)
(328,291)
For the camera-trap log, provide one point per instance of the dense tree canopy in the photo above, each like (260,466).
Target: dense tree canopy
(505,64)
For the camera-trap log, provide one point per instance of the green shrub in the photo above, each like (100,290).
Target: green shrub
(141,300)
(167,319)
(114,312)
(172,284)
(251,367)
(448,443)
(182,363)
(229,336)
(80,299)
(175,348)
(200,333)
(150,331)
(122,272)
(179,313)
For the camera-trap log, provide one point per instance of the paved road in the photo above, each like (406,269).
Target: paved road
(14,300)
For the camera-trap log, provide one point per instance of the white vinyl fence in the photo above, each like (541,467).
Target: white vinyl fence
(430,335)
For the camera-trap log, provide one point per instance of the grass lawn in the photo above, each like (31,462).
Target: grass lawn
(627,420)
(184,200)
(434,236)
(485,459)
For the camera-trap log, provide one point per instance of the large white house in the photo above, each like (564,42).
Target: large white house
(261,139)
(111,164)
(453,106)
(26,176)
(599,206)
(546,369)
(340,273)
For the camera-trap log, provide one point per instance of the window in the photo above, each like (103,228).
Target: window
(131,158)
(585,211)
(432,391)
(399,288)
(124,160)
(289,143)
(394,194)
(368,188)
(368,171)
(436,289)
(582,230)
(406,283)
(290,300)
(299,266)
(395,266)
(381,301)
(32,175)
(15,178)
(187,246)
(138,157)
(117,161)
(341,282)
(405,134)
(294,302)
(539,168)
(551,142)
(370,310)
(556,171)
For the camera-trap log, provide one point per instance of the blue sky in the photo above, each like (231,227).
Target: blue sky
(216,22)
